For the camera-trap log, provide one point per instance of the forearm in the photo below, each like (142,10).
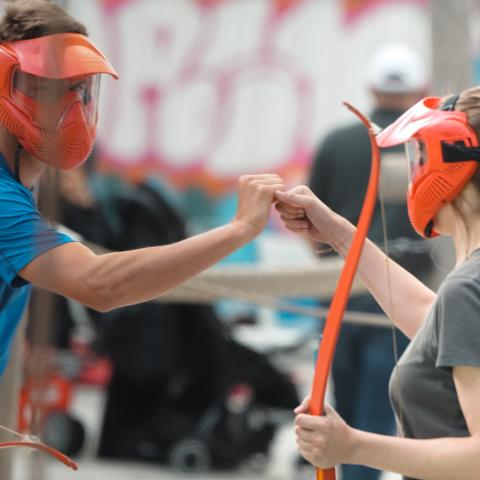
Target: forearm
(435,459)
(140,275)
(112,280)
(402,296)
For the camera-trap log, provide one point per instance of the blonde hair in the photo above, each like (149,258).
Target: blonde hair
(469,102)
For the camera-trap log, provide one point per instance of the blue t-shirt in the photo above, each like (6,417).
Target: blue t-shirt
(24,235)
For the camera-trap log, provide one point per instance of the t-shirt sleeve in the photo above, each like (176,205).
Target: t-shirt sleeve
(24,234)
(458,323)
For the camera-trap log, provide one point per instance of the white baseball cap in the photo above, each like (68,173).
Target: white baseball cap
(396,68)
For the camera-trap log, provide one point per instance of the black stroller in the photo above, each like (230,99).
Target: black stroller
(197,400)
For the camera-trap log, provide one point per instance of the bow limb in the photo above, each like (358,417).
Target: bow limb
(342,292)
(44,448)
(35,443)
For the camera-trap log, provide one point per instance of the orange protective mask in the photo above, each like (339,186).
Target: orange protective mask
(442,153)
(49,95)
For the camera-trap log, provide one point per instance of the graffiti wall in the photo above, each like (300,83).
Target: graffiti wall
(212,89)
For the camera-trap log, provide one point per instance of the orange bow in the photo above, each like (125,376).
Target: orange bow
(342,292)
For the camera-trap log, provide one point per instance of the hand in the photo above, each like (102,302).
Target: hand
(303,212)
(323,441)
(256,194)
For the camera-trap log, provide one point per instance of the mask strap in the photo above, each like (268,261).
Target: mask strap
(458,152)
(449,104)
(18,150)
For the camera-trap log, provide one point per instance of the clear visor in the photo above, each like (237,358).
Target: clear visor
(416,158)
(47,101)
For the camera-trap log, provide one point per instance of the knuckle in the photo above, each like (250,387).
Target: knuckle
(319,446)
(244,179)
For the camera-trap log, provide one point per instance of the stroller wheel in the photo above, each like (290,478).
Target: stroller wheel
(190,456)
(64,433)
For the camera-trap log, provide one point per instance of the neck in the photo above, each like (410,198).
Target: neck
(466,242)
(30,167)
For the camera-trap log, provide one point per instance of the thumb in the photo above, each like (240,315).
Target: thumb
(294,199)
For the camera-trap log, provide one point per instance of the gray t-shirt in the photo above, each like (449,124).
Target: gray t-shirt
(422,390)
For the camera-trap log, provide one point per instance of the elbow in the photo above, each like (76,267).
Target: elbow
(96,301)
(104,286)
(97,295)
(101,306)
(104,297)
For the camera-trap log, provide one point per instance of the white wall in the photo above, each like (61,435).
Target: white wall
(231,89)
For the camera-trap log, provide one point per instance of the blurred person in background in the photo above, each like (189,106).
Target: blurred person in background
(48,116)
(435,386)
(364,358)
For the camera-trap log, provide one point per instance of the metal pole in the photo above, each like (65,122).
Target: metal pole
(452,72)
(42,311)
(452,62)
(11,381)
(9,399)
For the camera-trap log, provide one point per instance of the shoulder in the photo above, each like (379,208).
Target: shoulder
(457,320)
(345,132)
(349,136)
(11,192)
(340,144)
(459,294)
(460,284)
(464,278)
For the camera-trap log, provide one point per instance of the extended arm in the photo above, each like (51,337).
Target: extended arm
(116,279)
(403,297)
